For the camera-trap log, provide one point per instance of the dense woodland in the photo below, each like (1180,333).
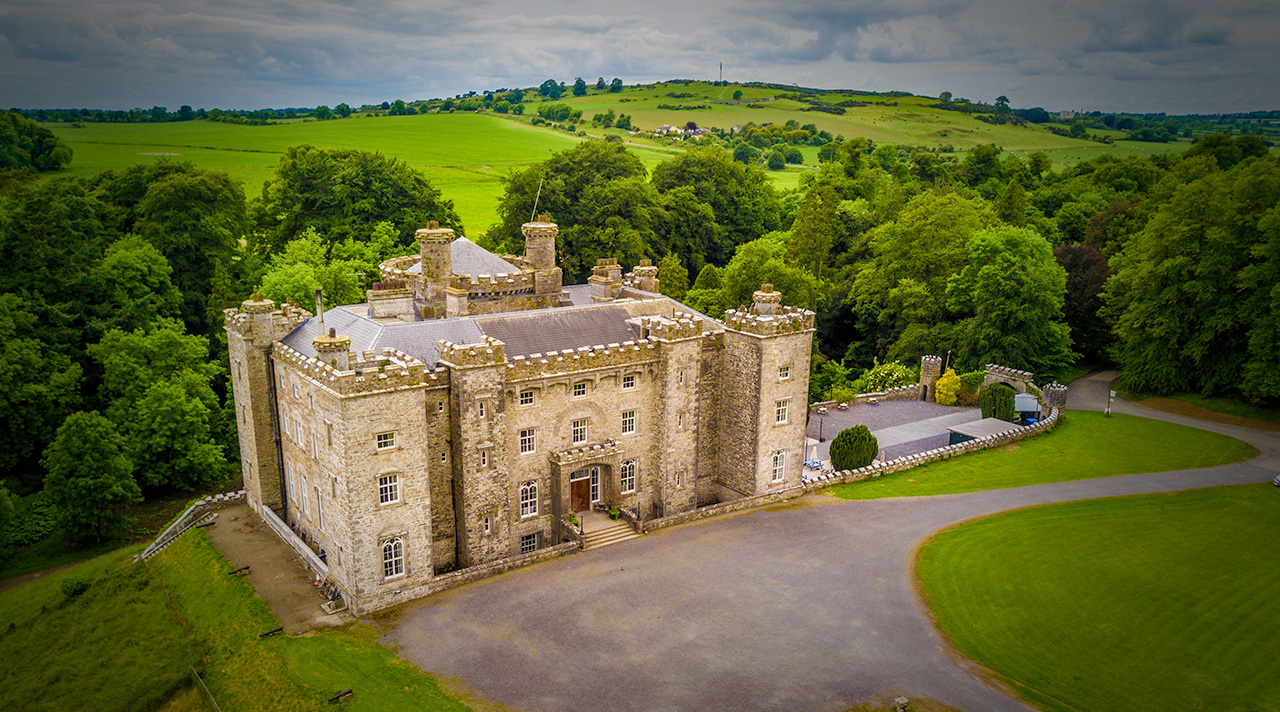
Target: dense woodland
(113,366)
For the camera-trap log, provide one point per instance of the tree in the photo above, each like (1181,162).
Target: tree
(853,448)
(135,284)
(947,388)
(89,478)
(579,87)
(169,437)
(323,112)
(997,401)
(673,278)
(343,194)
(342,110)
(945,97)
(26,144)
(1011,205)
(1002,104)
(615,86)
(551,89)
(737,94)
(776,161)
(814,230)
(1087,274)
(600,85)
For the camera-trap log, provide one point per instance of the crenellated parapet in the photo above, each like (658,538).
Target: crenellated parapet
(789,320)
(681,326)
(366,372)
(557,363)
(259,321)
(1055,395)
(490,352)
(1006,372)
(490,286)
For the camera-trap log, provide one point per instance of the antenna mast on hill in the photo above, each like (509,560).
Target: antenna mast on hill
(722,72)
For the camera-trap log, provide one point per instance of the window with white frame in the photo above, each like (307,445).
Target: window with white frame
(580,431)
(528,440)
(628,421)
(784,372)
(440,407)
(488,525)
(484,458)
(393,558)
(580,389)
(528,543)
(386,441)
(288,478)
(480,408)
(320,507)
(282,383)
(295,391)
(628,381)
(388,489)
(528,499)
(780,410)
(627,477)
(302,489)
(526,397)
(779,465)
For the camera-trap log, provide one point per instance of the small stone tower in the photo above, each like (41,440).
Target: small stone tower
(646,276)
(930,372)
(435,244)
(540,253)
(252,331)
(605,280)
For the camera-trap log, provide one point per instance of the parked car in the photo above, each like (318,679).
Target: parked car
(1276,481)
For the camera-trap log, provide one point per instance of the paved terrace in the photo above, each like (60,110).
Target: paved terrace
(900,427)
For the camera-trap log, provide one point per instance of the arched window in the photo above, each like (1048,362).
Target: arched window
(627,479)
(392,557)
(528,499)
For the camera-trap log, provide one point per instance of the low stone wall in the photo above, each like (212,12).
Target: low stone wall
(877,469)
(452,579)
(282,530)
(194,514)
(716,510)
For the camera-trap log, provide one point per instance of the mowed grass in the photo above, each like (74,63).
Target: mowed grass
(281,672)
(58,653)
(1083,446)
(1161,602)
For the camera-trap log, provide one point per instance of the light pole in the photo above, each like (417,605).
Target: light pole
(821,418)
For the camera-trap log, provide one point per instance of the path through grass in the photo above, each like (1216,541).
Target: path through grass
(1084,446)
(1160,602)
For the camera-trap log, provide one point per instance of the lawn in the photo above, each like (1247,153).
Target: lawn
(1083,446)
(1161,602)
(58,653)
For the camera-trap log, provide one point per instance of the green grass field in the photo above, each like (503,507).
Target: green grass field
(57,654)
(1155,603)
(1083,446)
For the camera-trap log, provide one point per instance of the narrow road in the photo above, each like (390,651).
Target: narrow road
(807,606)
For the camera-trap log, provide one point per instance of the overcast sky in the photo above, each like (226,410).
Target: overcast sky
(1176,56)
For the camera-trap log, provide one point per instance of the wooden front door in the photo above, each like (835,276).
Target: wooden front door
(580,494)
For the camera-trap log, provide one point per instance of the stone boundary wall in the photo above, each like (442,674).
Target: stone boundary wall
(909,392)
(453,579)
(282,530)
(715,510)
(876,469)
(192,516)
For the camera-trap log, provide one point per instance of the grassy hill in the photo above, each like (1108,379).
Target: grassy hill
(466,155)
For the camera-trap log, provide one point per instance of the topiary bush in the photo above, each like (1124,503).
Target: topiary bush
(996,401)
(947,389)
(884,376)
(853,448)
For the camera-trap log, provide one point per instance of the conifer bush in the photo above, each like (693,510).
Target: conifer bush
(996,401)
(853,448)
(947,389)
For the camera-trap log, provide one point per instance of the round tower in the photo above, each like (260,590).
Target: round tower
(435,244)
(333,349)
(540,242)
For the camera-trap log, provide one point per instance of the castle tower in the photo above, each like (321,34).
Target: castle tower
(540,242)
(333,349)
(679,379)
(646,276)
(481,465)
(252,331)
(930,372)
(605,280)
(435,244)
(765,394)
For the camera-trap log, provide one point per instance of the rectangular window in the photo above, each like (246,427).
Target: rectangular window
(484,458)
(679,421)
(480,408)
(627,480)
(580,431)
(780,410)
(488,525)
(328,434)
(388,489)
(288,478)
(528,499)
(779,465)
(682,376)
(440,407)
(784,372)
(311,401)
(579,390)
(628,421)
(295,391)
(444,457)
(386,441)
(526,397)
(528,440)
(528,543)
(306,500)
(628,381)
(320,507)
(282,383)
(393,558)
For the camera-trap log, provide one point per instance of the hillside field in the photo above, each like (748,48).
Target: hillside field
(466,155)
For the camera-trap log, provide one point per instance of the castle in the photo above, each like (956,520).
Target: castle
(460,416)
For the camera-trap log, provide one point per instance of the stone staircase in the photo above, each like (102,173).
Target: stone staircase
(602,531)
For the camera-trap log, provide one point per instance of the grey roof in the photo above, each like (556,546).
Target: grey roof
(470,259)
(420,339)
(561,329)
(986,426)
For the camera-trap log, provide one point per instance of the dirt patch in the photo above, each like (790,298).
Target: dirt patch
(1177,407)
(1007,448)
(275,570)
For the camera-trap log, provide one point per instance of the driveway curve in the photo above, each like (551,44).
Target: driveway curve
(805,606)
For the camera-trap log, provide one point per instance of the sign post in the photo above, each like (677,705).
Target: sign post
(1110,394)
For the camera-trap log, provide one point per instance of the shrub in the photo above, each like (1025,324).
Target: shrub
(970,384)
(853,448)
(884,376)
(73,586)
(996,401)
(947,389)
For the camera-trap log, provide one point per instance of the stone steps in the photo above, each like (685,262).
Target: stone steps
(612,533)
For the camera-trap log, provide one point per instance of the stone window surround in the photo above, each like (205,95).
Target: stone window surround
(779,465)
(389,489)
(528,396)
(383,444)
(781,411)
(528,497)
(629,381)
(579,389)
(528,543)
(784,372)
(629,422)
(627,476)
(403,559)
(528,441)
(579,430)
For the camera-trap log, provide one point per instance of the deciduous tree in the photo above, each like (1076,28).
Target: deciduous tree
(89,478)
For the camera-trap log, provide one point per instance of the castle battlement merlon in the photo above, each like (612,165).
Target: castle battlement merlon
(367,372)
(789,320)
(682,326)
(258,319)
(1006,372)
(490,352)
(557,363)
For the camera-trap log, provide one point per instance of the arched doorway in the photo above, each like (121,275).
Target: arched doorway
(584,488)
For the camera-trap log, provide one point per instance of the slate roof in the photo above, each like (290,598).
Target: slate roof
(470,259)
(560,329)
